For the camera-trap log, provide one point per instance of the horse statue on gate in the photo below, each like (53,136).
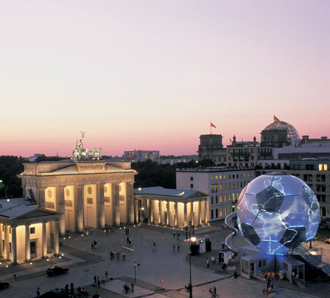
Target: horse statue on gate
(97,153)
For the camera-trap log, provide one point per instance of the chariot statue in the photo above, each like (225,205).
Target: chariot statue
(80,153)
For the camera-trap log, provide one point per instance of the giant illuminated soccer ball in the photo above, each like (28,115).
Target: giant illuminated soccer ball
(277,212)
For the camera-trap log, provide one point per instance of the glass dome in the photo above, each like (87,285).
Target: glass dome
(293,135)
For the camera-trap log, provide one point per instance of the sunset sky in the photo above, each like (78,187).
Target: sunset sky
(152,74)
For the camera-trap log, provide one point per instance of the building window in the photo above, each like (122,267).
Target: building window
(220,212)
(220,198)
(220,177)
(191,178)
(225,211)
(320,167)
(225,185)
(214,188)
(216,177)
(237,185)
(216,199)
(212,201)
(211,178)
(191,185)
(229,185)
(229,197)
(32,230)
(225,177)
(212,214)
(220,186)
(216,213)
(233,185)
(225,198)
(233,197)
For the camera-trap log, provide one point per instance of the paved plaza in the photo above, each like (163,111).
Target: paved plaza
(161,263)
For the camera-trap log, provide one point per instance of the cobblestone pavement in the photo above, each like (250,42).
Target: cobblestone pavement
(164,264)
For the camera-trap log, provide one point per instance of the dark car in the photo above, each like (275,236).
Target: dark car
(56,270)
(4,284)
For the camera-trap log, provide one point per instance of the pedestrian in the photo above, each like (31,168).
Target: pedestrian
(127,231)
(132,286)
(127,239)
(207,262)
(123,256)
(213,260)
(98,281)
(15,276)
(155,247)
(92,245)
(174,234)
(95,243)
(178,247)
(173,247)
(95,280)
(91,231)
(38,292)
(71,288)
(214,290)
(66,289)
(106,274)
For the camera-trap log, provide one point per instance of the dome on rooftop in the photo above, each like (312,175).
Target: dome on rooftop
(292,136)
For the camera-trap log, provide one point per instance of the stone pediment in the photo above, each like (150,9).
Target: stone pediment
(37,213)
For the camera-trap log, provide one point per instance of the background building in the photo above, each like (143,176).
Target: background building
(210,147)
(222,184)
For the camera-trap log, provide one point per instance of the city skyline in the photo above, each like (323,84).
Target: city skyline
(152,75)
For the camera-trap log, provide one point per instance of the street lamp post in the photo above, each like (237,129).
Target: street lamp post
(189,231)
(135,265)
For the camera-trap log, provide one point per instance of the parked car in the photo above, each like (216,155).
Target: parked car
(56,270)
(4,284)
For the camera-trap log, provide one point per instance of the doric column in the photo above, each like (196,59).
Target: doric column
(100,205)
(136,208)
(130,202)
(44,240)
(1,251)
(205,212)
(14,244)
(192,219)
(79,208)
(41,197)
(176,214)
(27,244)
(151,211)
(185,215)
(115,195)
(168,207)
(199,212)
(6,248)
(160,212)
(60,207)
(56,239)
